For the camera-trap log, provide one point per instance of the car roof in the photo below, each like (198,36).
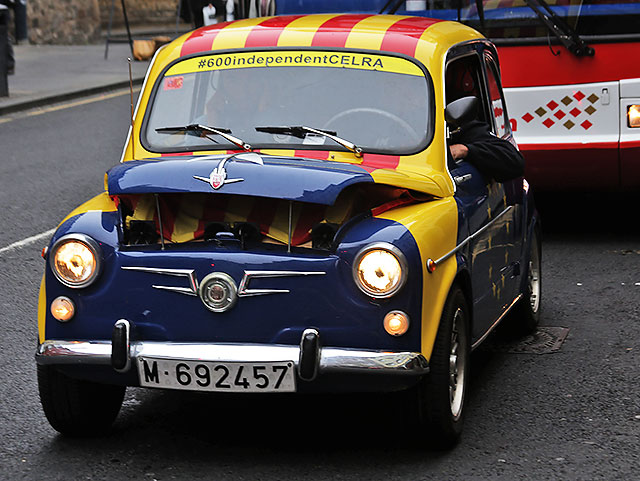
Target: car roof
(417,37)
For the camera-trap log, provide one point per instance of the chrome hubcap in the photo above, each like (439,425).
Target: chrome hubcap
(534,278)
(457,365)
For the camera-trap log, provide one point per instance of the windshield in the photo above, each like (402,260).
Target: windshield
(515,19)
(379,103)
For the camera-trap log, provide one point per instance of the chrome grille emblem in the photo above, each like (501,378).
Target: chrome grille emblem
(218,292)
(190,274)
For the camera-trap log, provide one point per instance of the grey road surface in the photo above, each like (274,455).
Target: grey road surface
(570,414)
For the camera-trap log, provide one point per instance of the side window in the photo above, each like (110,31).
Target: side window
(463,78)
(498,111)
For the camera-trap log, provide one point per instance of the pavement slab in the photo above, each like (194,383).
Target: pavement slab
(51,73)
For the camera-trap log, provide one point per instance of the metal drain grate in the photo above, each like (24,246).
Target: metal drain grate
(544,341)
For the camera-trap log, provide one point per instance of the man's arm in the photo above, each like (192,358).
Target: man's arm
(494,157)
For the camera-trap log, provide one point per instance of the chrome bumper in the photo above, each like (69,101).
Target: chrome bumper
(330,360)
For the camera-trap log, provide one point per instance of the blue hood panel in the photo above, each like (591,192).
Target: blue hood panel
(306,180)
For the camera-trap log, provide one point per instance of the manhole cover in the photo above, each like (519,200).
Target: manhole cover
(544,341)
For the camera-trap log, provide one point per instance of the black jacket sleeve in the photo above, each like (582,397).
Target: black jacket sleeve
(496,158)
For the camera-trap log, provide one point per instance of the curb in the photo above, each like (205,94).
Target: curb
(64,96)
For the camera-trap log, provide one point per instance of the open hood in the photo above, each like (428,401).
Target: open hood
(304,180)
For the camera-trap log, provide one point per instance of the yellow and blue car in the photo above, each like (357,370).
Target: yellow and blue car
(286,218)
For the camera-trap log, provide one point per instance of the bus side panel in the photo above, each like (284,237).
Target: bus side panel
(629,136)
(569,114)
(568,134)
(535,65)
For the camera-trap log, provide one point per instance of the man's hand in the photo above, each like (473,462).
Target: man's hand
(458,151)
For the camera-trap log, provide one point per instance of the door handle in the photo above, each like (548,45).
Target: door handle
(461,179)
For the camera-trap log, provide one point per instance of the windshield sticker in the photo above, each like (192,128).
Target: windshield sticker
(353,60)
(173,83)
(314,139)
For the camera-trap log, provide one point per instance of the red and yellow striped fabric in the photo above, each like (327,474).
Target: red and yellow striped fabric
(397,34)
(186,216)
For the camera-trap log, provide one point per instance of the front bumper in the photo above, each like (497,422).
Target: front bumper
(315,364)
(330,359)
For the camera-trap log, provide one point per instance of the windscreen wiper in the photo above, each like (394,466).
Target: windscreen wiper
(392,5)
(203,130)
(300,131)
(556,25)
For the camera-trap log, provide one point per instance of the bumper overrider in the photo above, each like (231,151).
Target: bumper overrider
(309,359)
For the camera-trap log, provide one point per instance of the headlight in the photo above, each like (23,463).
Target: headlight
(633,116)
(380,270)
(75,260)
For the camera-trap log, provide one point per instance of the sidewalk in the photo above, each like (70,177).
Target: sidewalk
(52,73)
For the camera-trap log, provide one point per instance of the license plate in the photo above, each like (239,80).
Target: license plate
(217,376)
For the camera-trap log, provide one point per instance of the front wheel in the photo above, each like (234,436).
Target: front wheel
(78,408)
(441,394)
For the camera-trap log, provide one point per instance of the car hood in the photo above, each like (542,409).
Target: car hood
(305,180)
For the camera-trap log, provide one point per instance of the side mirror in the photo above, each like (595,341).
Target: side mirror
(461,111)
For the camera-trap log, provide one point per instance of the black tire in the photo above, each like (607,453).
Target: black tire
(526,315)
(78,408)
(441,394)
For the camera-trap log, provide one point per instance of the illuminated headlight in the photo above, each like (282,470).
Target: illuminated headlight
(75,260)
(633,116)
(380,270)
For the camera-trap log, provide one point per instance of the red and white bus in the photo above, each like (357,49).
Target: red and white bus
(570,72)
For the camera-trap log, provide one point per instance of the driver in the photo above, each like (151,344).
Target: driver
(236,101)
(494,157)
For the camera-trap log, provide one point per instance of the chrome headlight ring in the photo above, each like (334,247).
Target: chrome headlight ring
(91,247)
(396,261)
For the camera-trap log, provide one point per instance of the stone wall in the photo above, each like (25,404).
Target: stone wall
(140,12)
(68,22)
(63,21)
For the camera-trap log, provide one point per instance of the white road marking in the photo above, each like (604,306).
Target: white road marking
(29,240)
(66,105)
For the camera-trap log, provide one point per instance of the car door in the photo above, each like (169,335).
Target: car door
(509,191)
(486,219)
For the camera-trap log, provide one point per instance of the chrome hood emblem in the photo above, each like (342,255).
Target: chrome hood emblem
(218,176)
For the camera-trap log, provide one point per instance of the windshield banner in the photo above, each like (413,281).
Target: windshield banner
(308,58)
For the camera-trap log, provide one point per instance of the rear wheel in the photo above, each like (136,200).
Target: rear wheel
(78,408)
(441,394)
(526,316)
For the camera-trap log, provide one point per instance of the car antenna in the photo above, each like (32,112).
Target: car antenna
(133,146)
(290,225)
(159,220)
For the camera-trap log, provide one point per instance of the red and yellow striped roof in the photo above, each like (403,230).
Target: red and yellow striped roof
(391,33)
(395,34)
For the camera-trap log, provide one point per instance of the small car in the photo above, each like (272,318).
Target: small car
(286,218)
